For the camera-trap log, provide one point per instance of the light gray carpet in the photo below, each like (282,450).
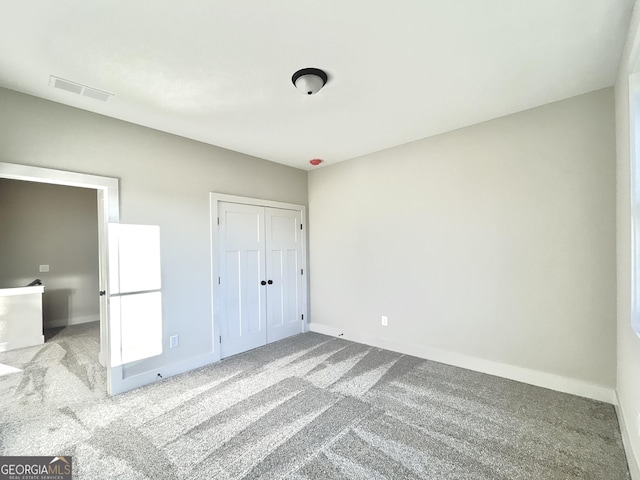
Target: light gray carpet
(309,407)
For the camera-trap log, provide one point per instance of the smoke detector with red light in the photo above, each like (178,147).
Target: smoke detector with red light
(315,162)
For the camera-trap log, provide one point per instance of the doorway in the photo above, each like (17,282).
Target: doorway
(108,211)
(259,265)
(50,236)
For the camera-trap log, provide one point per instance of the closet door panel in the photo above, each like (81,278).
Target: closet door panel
(242,264)
(284,271)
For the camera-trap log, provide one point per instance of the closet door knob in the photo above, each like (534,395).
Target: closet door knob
(263,282)
(270,282)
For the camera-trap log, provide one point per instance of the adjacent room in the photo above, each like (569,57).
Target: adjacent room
(314,241)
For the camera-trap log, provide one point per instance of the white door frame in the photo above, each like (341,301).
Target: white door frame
(215,199)
(108,212)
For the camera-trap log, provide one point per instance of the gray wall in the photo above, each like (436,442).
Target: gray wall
(57,226)
(165,180)
(496,242)
(628,352)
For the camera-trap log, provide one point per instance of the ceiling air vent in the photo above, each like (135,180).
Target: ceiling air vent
(78,88)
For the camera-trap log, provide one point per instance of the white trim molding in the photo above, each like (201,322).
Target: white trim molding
(65,322)
(160,373)
(634,159)
(520,374)
(62,177)
(214,200)
(632,461)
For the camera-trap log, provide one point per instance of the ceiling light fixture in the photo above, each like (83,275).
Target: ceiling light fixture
(309,80)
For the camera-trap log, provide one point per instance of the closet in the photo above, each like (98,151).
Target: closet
(260,275)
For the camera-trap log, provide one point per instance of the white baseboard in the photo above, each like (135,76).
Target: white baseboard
(65,322)
(625,430)
(525,375)
(167,371)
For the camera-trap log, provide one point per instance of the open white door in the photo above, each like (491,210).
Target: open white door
(134,302)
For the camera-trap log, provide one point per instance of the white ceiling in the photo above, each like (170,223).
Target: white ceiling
(220,71)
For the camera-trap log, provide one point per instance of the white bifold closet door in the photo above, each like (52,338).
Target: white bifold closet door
(260,275)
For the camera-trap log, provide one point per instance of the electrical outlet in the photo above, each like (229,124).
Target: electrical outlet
(384,320)
(173,341)
(44,268)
